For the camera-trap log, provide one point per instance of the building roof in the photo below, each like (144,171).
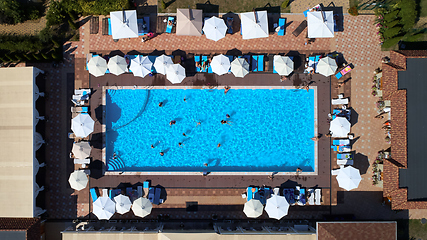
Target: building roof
(20,228)
(356,230)
(399,131)
(16,141)
(71,235)
(413,80)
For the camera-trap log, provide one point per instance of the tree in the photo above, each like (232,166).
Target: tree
(391,42)
(391,32)
(55,15)
(11,12)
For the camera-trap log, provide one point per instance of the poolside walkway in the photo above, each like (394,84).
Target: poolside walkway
(357,43)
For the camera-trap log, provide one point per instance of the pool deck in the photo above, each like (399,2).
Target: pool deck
(358,44)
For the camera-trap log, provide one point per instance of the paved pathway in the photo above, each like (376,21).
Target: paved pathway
(29,27)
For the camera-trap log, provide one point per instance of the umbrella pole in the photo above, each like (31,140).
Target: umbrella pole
(123,12)
(255,16)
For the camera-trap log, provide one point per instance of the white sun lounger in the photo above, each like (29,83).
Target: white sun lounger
(345,162)
(335,172)
(339,101)
(81,161)
(311,196)
(276,191)
(318,196)
(105,192)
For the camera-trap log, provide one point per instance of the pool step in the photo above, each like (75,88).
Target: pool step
(115,164)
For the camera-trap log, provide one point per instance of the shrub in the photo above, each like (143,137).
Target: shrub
(45,56)
(285,4)
(10,11)
(414,37)
(36,56)
(408,13)
(102,7)
(163,4)
(56,43)
(353,11)
(55,15)
(391,42)
(391,32)
(392,23)
(72,24)
(391,15)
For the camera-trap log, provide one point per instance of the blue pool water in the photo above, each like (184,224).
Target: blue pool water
(269,130)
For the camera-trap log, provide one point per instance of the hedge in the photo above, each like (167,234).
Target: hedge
(391,42)
(391,32)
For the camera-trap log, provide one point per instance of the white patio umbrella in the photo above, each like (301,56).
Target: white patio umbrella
(81,150)
(78,180)
(320,24)
(175,73)
(97,66)
(162,63)
(277,207)
(124,24)
(117,65)
(254,24)
(123,204)
(215,28)
(141,207)
(140,66)
(340,127)
(283,65)
(253,208)
(349,178)
(104,208)
(239,67)
(220,64)
(327,66)
(82,125)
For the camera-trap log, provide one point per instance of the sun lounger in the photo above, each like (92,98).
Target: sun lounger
(196,62)
(276,191)
(93,194)
(254,65)
(345,162)
(81,161)
(318,196)
(208,67)
(340,101)
(105,192)
(282,23)
(79,109)
(300,28)
(151,194)
(341,142)
(109,27)
(345,156)
(310,196)
(335,172)
(146,187)
(169,27)
(301,197)
(341,148)
(229,24)
(341,113)
(288,193)
(157,196)
(143,25)
(316,61)
(140,191)
(343,72)
(249,193)
(115,192)
(82,91)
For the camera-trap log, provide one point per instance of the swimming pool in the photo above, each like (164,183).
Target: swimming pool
(268,130)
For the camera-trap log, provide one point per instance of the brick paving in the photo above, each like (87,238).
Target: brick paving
(357,43)
(29,27)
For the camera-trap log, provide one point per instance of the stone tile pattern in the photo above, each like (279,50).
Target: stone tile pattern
(391,189)
(352,230)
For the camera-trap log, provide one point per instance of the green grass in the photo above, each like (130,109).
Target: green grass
(423,8)
(417,230)
(222,6)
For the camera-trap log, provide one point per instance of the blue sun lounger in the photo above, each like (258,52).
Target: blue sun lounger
(109,27)
(93,194)
(344,156)
(169,27)
(301,198)
(197,60)
(282,23)
(143,25)
(341,142)
(249,193)
(254,65)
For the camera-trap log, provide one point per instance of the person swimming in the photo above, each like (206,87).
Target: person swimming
(173,122)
